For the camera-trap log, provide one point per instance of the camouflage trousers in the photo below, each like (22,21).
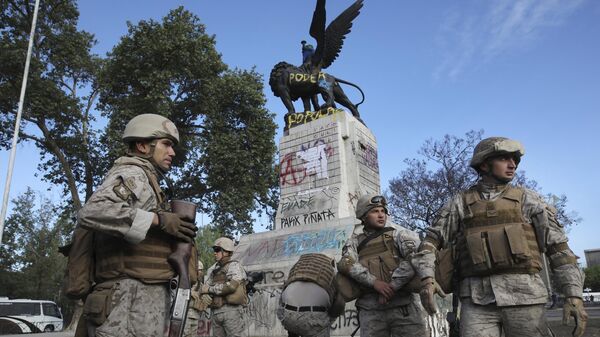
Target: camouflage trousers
(489,320)
(138,310)
(228,323)
(191,323)
(305,323)
(405,321)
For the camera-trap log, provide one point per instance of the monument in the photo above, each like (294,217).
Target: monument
(328,158)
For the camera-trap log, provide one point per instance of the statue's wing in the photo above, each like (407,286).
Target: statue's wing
(317,31)
(336,33)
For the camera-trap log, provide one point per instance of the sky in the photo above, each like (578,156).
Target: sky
(523,69)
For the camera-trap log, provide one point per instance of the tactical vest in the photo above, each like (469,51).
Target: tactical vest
(380,255)
(496,238)
(238,297)
(317,268)
(147,260)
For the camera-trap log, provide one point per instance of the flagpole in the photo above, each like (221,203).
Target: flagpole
(13,150)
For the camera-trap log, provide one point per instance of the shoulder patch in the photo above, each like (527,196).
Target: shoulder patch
(122,191)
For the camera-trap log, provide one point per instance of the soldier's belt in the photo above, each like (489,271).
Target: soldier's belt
(300,309)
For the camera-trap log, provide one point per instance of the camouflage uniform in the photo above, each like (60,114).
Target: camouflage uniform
(403,314)
(123,207)
(510,301)
(228,320)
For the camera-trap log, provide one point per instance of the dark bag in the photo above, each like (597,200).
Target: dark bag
(98,304)
(80,265)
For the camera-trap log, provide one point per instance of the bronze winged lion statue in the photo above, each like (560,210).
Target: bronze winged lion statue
(307,81)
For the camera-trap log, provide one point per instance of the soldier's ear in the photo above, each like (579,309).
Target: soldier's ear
(142,147)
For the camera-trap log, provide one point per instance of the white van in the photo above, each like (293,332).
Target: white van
(45,315)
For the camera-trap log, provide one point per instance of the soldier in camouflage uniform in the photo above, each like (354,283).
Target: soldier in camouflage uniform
(226,284)
(498,233)
(377,256)
(309,299)
(133,234)
(198,305)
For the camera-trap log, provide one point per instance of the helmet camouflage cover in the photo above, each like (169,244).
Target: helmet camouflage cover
(494,146)
(369,201)
(150,126)
(225,244)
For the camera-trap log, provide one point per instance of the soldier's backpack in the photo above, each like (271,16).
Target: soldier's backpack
(79,276)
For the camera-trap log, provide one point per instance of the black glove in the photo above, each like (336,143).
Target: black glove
(174,225)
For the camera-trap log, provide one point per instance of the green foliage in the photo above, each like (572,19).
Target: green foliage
(56,111)
(34,233)
(592,278)
(225,158)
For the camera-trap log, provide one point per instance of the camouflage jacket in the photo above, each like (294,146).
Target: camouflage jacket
(125,203)
(504,289)
(234,272)
(407,243)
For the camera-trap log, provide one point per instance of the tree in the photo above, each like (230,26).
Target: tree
(592,278)
(56,113)
(225,158)
(35,267)
(420,191)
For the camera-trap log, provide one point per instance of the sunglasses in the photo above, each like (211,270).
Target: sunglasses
(378,200)
(217,249)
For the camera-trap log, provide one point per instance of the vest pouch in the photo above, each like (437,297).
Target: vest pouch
(347,287)
(477,246)
(517,243)
(499,248)
(98,305)
(444,269)
(378,268)
(238,297)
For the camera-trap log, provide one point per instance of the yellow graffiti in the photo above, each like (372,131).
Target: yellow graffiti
(300,118)
(301,77)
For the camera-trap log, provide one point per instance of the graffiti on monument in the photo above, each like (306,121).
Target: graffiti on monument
(349,319)
(369,155)
(300,118)
(313,158)
(307,219)
(294,244)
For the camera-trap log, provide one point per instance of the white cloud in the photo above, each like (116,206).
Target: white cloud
(482,30)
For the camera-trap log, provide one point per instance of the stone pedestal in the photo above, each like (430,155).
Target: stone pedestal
(324,166)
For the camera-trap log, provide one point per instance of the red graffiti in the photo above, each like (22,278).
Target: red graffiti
(290,173)
(203,328)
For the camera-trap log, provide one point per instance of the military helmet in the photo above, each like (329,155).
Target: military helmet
(368,202)
(493,146)
(224,243)
(150,126)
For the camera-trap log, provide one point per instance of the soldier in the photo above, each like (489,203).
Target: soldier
(198,304)
(133,235)
(309,299)
(226,283)
(377,256)
(498,233)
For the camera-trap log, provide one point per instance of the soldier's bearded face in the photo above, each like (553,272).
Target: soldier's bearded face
(376,218)
(163,153)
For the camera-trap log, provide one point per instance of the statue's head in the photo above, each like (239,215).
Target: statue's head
(307,51)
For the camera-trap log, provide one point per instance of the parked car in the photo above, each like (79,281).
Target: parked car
(45,315)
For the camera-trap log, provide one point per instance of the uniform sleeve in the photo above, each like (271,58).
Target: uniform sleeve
(408,242)
(236,275)
(561,258)
(120,205)
(350,266)
(438,236)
